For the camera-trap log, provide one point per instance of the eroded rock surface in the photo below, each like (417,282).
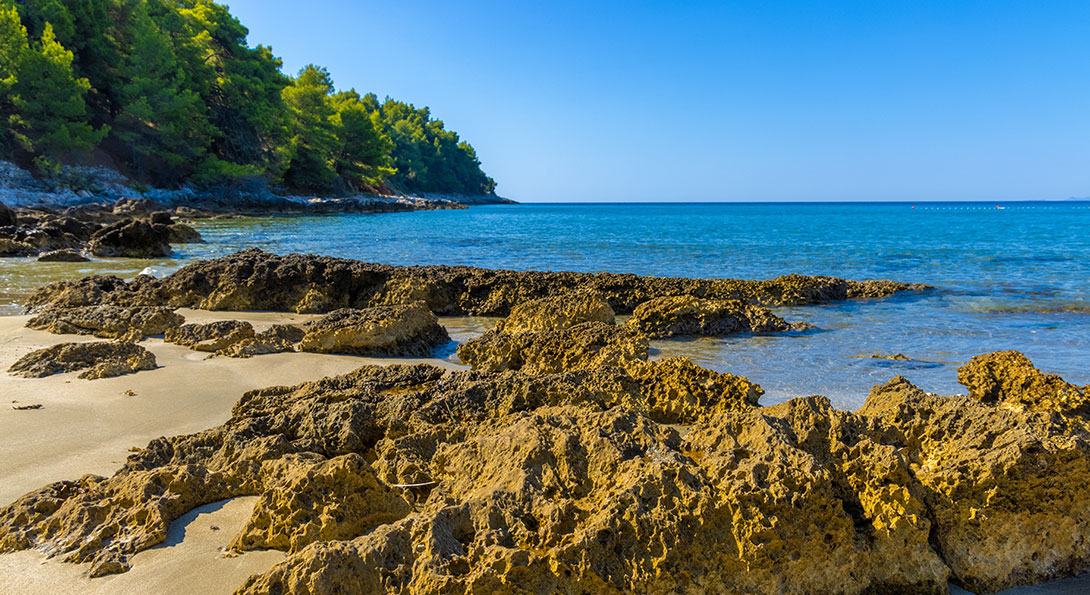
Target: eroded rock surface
(108,322)
(132,238)
(235,338)
(256,280)
(410,330)
(100,359)
(557,313)
(586,345)
(688,315)
(659,477)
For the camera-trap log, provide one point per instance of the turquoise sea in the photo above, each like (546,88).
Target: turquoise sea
(1007,276)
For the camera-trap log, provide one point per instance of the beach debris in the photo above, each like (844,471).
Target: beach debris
(99,359)
(130,393)
(26,407)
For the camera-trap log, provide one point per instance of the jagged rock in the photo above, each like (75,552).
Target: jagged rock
(215,337)
(323,500)
(180,233)
(255,280)
(133,239)
(277,339)
(7,216)
(63,256)
(586,345)
(108,322)
(382,330)
(1004,489)
(9,247)
(97,290)
(557,313)
(893,357)
(101,359)
(688,315)
(678,391)
(1010,379)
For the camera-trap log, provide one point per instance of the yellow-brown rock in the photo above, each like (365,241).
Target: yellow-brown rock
(99,359)
(586,345)
(404,330)
(319,500)
(689,315)
(557,313)
(1010,379)
(108,322)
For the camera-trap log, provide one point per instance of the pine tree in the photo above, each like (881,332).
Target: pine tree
(362,156)
(313,137)
(51,117)
(13,47)
(162,124)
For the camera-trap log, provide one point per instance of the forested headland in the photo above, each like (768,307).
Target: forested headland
(169,92)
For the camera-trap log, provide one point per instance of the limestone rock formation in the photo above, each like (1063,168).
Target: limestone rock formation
(586,345)
(132,238)
(63,256)
(108,322)
(211,337)
(557,313)
(101,359)
(410,330)
(1010,379)
(308,500)
(688,315)
(256,280)
(656,477)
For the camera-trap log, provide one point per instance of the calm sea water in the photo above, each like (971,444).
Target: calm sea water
(1016,277)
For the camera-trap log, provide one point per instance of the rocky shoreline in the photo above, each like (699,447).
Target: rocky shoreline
(568,460)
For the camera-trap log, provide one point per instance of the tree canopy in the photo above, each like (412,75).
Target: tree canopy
(169,92)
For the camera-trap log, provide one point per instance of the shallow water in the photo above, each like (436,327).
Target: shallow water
(1016,277)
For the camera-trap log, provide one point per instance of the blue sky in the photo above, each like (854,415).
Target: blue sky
(726,101)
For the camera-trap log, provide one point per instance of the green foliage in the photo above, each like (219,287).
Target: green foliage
(171,91)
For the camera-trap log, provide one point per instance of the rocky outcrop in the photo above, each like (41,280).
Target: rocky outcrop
(410,330)
(688,315)
(63,256)
(180,233)
(108,322)
(132,238)
(235,338)
(309,499)
(1009,379)
(557,313)
(7,216)
(586,345)
(256,280)
(602,480)
(101,359)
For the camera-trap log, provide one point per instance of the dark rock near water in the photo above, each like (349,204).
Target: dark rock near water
(7,216)
(255,280)
(63,256)
(180,233)
(108,322)
(411,330)
(688,315)
(102,359)
(132,238)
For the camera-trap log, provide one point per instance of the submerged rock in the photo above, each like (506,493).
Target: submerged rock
(101,359)
(63,256)
(180,233)
(557,313)
(132,238)
(255,280)
(688,315)
(410,330)
(586,345)
(108,322)
(892,357)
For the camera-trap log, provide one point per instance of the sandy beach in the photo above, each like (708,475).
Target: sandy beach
(89,426)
